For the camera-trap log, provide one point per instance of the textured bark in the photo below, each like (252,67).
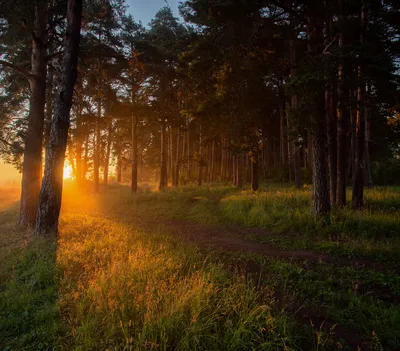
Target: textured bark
(51,192)
(163,167)
(212,165)
(134,175)
(358,172)
(223,158)
(320,198)
(342,119)
(32,164)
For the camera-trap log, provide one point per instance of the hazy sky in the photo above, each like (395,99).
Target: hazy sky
(144,10)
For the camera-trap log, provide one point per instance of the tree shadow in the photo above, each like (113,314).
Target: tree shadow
(29,317)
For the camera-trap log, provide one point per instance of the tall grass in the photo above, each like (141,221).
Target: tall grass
(122,289)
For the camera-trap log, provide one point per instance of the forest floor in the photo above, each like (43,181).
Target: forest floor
(213,268)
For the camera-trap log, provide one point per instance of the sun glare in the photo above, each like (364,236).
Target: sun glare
(67,172)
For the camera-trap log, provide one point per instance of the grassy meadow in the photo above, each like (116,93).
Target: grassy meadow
(124,275)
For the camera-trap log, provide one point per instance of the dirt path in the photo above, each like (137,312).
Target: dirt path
(232,238)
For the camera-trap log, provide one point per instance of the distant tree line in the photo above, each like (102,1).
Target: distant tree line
(242,91)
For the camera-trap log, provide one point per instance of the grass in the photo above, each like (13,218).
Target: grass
(105,284)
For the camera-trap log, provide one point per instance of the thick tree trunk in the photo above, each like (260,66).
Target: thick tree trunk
(342,119)
(51,192)
(32,164)
(163,168)
(200,176)
(134,175)
(320,198)
(358,172)
(223,157)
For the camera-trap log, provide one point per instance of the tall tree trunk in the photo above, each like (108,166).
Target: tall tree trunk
(178,158)
(188,153)
(96,151)
(234,170)
(51,192)
(212,165)
(223,157)
(108,154)
(330,115)
(320,198)
(295,147)
(32,164)
(342,118)
(164,154)
(358,173)
(367,173)
(282,131)
(119,168)
(134,175)
(173,148)
(200,177)
(239,171)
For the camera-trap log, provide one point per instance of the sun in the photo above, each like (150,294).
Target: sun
(67,174)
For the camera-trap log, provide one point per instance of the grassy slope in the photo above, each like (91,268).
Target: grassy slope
(107,285)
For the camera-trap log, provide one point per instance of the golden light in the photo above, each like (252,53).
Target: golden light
(67,172)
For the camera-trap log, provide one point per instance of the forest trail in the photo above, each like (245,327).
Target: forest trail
(232,238)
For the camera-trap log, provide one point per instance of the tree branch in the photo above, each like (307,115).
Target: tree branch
(16,68)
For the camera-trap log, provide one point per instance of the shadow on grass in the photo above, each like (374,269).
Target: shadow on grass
(29,318)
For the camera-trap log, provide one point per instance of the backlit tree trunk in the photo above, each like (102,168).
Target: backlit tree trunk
(108,153)
(32,164)
(96,151)
(51,192)
(163,168)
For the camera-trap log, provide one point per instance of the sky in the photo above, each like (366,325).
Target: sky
(144,10)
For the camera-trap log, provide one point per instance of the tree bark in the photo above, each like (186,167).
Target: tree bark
(320,198)
(51,192)
(342,118)
(32,164)
(358,173)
